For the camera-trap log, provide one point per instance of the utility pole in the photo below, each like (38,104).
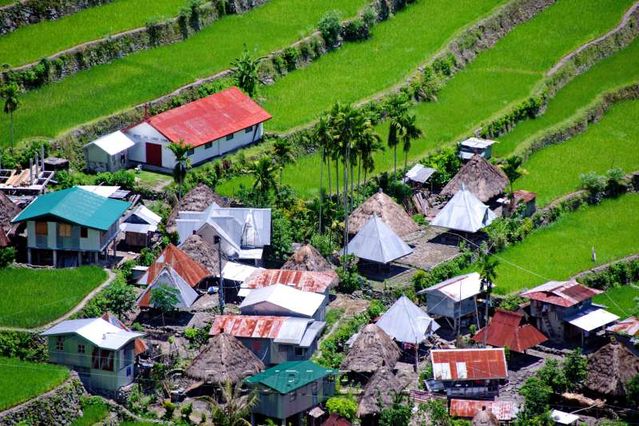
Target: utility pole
(217,240)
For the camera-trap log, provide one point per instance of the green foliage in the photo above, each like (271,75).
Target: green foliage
(33,379)
(330,27)
(94,410)
(138,402)
(505,231)
(355,29)
(332,347)
(23,345)
(197,336)
(617,273)
(245,72)
(398,414)
(447,164)
(343,405)
(537,397)
(632,389)
(437,412)
(281,238)
(575,369)
(349,279)
(424,279)
(123,178)
(118,298)
(332,316)
(425,374)
(7,256)
(419,219)
(324,244)
(375,308)
(594,184)
(511,302)
(169,409)
(552,375)
(147,256)
(164,297)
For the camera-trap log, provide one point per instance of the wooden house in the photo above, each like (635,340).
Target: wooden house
(371,350)
(469,373)
(103,354)
(139,226)
(210,127)
(290,389)
(108,153)
(563,310)
(475,146)
(504,411)
(307,258)
(610,370)
(273,339)
(70,227)
(418,175)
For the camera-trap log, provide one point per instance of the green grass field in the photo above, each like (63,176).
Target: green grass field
(612,142)
(563,249)
(618,70)
(94,410)
(619,300)
(34,379)
(33,42)
(33,297)
(498,78)
(146,75)
(359,70)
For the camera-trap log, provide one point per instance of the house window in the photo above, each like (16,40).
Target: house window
(190,152)
(59,343)
(102,359)
(299,351)
(229,137)
(64,230)
(128,371)
(293,396)
(84,232)
(41,228)
(208,145)
(248,129)
(81,349)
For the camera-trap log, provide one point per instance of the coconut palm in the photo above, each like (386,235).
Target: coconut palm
(182,163)
(397,107)
(283,154)
(11,103)
(408,132)
(235,407)
(263,170)
(245,72)
(324,138)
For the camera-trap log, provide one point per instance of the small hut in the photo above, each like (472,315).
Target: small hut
(307,258)
(371,350)
(376,242)
(485,418)
(464,212)
(380,390)
(204,253)
(610,369)
(481,178)
(391,213)
(223,359)
(196,200)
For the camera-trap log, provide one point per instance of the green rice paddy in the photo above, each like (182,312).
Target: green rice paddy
(34,379)
(620,300)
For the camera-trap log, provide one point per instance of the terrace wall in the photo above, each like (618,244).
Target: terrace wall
(59,406)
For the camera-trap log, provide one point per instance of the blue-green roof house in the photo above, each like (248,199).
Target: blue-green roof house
(291,389)
(70,227)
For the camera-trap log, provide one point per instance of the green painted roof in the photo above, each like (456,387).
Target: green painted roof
(75,205)
(291,375)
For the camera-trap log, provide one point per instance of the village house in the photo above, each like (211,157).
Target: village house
(464,212)
(418,175)
(504,411)
(506,331)
(564,311)
(210,127)
(371,349)
(627,329)
(281,300)
(70,227)
(392,214)
(290,389)
(309,281)
(485,181)
(198,199)
(108,153)
(273,339)
(102,354)
(380,392)
(475,146)
(610,370)
(469,373)
(307,258)
(139,226)
(376,242)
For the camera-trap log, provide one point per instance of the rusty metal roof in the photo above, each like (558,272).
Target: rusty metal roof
(469,364)
(561,293)
(210,118)
(316,282)
(505,330)
(629,326)
(525,196)
(189,270)
(258,326)
(503,410)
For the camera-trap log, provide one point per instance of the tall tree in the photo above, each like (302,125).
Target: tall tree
(245,72)
(263,171)
(283,154)
(182,163)
(11,103)
(324,139)
(397,107)
(408,132)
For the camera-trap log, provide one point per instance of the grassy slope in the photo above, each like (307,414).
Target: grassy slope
(358,70)
(499,77)
(34,297)
(619,300)
(612,142)
(92,413)
(146,75)
(32,42)
(617,70)
(34,379)
(564,248)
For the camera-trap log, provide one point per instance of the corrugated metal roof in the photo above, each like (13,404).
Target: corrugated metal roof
(504,330)
(140,345)
(210,118)
(291,375)
(561,293)
(503,410)
(256,326)
(103,190)
(77,206)
(189,270)
(469,364)
(563,418)
(474,142)
(278,297)
(378,243)
(419,173)
(525,196)
(464,212)
(113,143)
(592,318)
(101,333)
(238,272)
(629,326)
(458,288)
(406,322)
(317,282)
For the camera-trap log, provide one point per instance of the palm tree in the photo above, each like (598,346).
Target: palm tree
(245,72)
(263,170)
(182,163)
(488,275)
(408,132)
(367,143)
(235,408)
(397,107)
(11,103)
(283,153)
(324,138)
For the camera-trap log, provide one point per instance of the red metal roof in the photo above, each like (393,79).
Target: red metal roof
(503,410)
(258,326)
(315,282)
(561,293)
(469,364)
(504,330)
(190,270)
(210,118)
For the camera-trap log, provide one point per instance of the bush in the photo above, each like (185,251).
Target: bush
(25,346)
(447,164)
(197,336)
(398,414)
(617,273)
(355,29)
(122,178)
(118,298)
(345,406)
(7,256)
(332,347)
(511,302)
(594,184)
(575,369)
(330,27)
(324,244)
(375,309)
(349,279)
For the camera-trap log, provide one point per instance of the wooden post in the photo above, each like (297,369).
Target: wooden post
(55,259)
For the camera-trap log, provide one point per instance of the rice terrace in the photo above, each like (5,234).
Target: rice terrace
(319,212)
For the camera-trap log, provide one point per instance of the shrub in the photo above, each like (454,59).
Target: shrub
(197,336)
(553,376)
(616,181)
(281,238)
(447,164)
(443,271)
(7,256)
(290,56)
(511,302)
(330,27)
(617,273)
(632,388)
(324,244)
(575,368)
(355,29)
(537,395)
(123,178)
(398,414)
(375,308)
(349,279)
(594,184)
(345,406)
(22,345)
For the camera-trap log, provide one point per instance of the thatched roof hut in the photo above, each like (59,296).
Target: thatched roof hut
(372,350)
(391,213)
(203,252)
(307,258)
(610,369)
(485,418)
(196,200)
(380,390)
(481,178)
(224,359)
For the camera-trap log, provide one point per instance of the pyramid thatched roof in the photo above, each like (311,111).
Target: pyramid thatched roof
(481,178)
(372,349)
(610,369)
(224,359)
(8,210)
(307,258)
(391,213)
(380,390)
(203,252)
(485,418)
(196,200)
